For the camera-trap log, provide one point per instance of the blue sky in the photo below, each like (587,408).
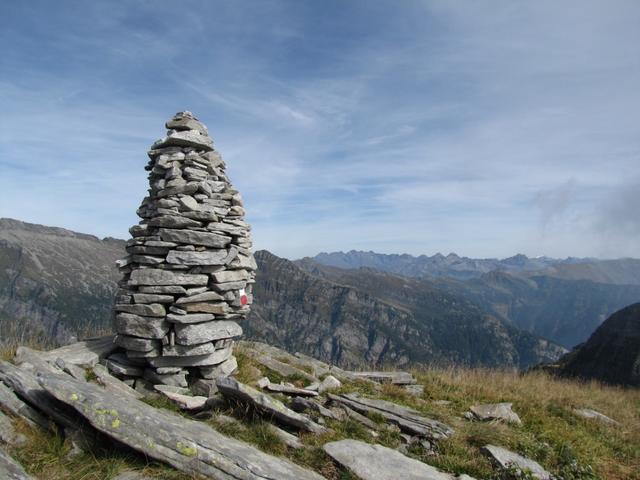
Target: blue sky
(484,128)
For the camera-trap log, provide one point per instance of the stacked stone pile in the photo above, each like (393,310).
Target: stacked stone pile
(188,275)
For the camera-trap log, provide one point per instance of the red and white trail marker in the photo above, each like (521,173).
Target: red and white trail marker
(243,297)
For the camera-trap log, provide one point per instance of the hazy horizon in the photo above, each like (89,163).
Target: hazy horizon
(420,127)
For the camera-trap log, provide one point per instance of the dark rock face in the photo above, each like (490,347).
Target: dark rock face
(369,318)
(54,283)
(612,354)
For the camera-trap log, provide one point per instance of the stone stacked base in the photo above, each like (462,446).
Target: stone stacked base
(188,275)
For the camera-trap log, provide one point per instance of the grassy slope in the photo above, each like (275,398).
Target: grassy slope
(564,444)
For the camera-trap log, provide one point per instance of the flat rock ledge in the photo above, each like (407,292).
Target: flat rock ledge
(496,411)
(375,462)
(507,459)
(187,445)
(10,469)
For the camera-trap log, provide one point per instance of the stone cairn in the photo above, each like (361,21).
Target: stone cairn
(189,271)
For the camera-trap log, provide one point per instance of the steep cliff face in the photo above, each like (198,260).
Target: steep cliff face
(344,316)
(54,283)
(612,353)
(565,311)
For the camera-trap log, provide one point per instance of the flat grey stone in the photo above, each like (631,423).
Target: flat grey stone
(121,368)
(231,388)
(230,276)
(188,445)
(200,297)
(191,334)
(185,138)
(395,378)
(138,326)
(112,383)
(84,354)
(172,379)
(173,221)
(506,459)
(496,411)
(152,310)
(415,390)
(191,318)
(186,402)
(152,298)
(214,358)
(172,289)
(9,402)
(188,350)
(210,257)
(329,383)
(593,414)
(224,369)
(137,344)
(155,276)
(375,462)
(192,237)
(217,308)
(188,202)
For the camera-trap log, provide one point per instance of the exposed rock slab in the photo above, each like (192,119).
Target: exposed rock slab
(108,381)
(507,460)
(231,388)
(395,378)
(375,462)
(496,411)
(158,277)
(25,384)
(83,354)
(409,420)
(10,469)
(11,403)
(595,415)
(187,445)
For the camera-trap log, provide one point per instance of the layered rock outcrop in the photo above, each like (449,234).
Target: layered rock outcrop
(187,278)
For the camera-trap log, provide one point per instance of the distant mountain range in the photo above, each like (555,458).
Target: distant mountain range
(562,300)
(624,271)
(56,284)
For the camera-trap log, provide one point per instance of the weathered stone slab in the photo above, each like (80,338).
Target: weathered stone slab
(156,276)
(496,411)
(300,404)
(137,344)
(178,379)
(188,350)
(25,384)
(375,462)
(214,358)
(137,326)
(200,297)
(508,460)
(152,298)
(8,433)
(329,383)
(84,354)
(173,221)
(288,389)
(9,402)
(112,383)
(224,369)
(185,138)
(10,469)
(230,276)
(210,257)
(217,308)
(283,368)
(191,334)
(229,387)
(188,445)
(122,365)
(409,420)
(172,289)
(153,310)
(191,237)
(395,378)
(190,318)
(186,402)
(592,414)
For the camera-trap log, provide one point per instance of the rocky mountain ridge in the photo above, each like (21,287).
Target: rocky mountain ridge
(43,268)
(623,271)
